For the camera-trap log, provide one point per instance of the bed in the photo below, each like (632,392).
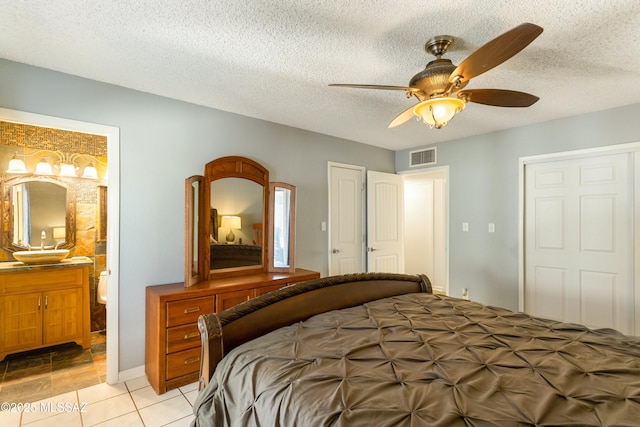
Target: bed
(228,256)
(383,350)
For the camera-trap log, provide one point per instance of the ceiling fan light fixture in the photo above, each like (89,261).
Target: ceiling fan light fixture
(437,112)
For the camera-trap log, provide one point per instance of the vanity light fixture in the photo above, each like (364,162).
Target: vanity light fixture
(66,163)
(67,169)
(17,166)
(90,171)
(43,168)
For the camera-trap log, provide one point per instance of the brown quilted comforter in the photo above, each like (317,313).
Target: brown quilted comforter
(422,360)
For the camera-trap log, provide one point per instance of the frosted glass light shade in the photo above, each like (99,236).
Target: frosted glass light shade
(17,166)
(90,172)
(437,112)
(67,169)
(43,168)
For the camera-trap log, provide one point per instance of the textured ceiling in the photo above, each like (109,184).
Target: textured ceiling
(274,59)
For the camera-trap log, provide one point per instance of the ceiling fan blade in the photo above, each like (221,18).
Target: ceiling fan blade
(499,97)
(381,87)
(496,52)
(403,117)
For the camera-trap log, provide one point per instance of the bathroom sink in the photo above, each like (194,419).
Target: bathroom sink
(47,256)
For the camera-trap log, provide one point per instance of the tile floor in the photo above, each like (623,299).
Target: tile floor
(65,386)
(129,404)
(42,373)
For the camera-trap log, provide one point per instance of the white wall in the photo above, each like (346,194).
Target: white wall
(483,188)
(164,141)
(425,226)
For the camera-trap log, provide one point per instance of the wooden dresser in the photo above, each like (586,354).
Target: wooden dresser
(172,343)
(44,305)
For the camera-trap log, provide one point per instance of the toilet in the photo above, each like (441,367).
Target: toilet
(102,288)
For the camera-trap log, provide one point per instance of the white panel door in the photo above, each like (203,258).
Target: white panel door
(579,241)
(346,236)
(385,222)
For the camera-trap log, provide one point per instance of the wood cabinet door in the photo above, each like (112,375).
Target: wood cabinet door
(62,315)
(229,299)
(22,315)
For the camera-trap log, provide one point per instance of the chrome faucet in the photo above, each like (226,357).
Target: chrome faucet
(43,236)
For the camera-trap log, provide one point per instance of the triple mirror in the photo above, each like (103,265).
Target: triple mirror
(37,212)
(237,222)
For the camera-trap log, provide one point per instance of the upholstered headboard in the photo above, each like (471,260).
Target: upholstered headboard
(222,332)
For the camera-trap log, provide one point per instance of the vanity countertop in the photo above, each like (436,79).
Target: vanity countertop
(65,263)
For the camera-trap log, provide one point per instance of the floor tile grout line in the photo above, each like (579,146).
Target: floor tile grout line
(135,404)
(137,410)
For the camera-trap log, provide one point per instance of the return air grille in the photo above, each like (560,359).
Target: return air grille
(422,157)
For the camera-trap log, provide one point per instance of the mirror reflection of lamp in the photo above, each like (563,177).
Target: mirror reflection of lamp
(59,235)
(232,222)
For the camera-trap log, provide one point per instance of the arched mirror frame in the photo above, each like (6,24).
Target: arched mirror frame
(233,167)
(8,214)
(198,223)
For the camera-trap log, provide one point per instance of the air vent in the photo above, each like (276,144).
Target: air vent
(423,157)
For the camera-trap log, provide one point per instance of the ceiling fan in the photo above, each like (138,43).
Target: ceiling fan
(439,86)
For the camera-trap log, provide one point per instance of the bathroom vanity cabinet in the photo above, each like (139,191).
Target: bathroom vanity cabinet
(172,343)
(44,305)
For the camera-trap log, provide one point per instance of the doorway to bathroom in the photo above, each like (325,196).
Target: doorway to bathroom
(101,224)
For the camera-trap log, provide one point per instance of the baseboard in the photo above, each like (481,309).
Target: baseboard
(130,374)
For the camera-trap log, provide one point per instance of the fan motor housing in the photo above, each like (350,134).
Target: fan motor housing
(434,79)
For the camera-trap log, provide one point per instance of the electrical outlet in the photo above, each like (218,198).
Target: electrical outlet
(465,293)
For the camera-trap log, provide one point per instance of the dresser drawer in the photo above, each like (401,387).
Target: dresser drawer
(188,310)
(183,362)
(182,337)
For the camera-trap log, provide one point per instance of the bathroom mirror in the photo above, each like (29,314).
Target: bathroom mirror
(37,213)
(232,214)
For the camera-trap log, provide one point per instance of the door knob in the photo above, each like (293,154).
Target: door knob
(371,249)
(335,251)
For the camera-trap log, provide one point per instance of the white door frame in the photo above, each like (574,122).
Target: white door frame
(444,170)
(634,148)
(362,204)
(113,225)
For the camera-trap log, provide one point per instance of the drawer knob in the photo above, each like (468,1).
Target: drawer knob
(191,335)
(191,360)
(191,310)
